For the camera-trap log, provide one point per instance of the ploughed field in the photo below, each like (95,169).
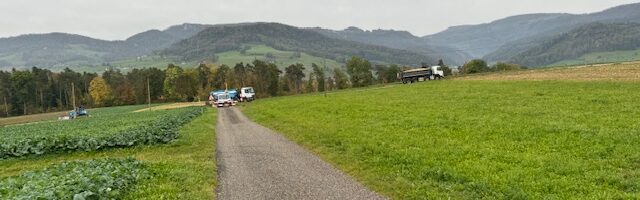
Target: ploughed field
(466,139)
(115,153)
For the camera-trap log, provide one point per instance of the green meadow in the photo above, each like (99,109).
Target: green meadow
(473,139)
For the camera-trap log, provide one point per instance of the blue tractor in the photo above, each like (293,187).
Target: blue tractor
(78,112)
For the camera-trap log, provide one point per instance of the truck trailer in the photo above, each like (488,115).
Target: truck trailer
(421,74)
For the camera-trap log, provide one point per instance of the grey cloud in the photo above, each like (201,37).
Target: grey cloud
(118,19)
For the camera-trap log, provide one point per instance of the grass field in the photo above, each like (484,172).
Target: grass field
(602,57)
(282,58)
(462,139)
(182,169)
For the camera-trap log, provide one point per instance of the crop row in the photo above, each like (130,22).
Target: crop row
(93,179)
(93,133)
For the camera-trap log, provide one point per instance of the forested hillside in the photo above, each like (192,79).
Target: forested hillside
(218,39)
(398,40)
(591,38)
(510,33)
(69,50)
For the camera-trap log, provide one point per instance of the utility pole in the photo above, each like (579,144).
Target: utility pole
(148,94)
(73,94)
(6,107)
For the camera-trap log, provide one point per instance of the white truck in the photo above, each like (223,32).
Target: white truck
(221,99)
(421,74)
(247,94)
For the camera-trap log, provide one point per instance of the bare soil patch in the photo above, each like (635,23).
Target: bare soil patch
(173,106)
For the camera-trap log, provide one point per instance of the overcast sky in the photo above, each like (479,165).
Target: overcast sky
(119,19)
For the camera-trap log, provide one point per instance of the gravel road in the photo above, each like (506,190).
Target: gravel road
(257,163)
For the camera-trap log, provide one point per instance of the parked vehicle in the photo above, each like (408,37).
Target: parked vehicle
(421,74)
(221,98)
(247,94)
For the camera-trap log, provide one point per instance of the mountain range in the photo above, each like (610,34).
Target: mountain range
(531,40)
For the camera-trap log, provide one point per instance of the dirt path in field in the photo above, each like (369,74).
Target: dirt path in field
(172,106)
(31,118)
(257,163)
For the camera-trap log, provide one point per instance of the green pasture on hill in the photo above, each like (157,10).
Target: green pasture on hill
(602,57)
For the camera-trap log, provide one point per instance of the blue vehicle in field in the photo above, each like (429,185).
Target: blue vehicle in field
(75,113)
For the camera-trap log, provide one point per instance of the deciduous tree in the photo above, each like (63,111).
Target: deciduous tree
(100,91)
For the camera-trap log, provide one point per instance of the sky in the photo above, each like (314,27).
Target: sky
(119,19)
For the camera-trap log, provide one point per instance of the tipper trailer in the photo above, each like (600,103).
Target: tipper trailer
(421,74)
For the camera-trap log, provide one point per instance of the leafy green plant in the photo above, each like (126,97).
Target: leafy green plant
(92,179)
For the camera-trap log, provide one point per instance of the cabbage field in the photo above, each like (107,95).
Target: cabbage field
(93,179)
(114,127)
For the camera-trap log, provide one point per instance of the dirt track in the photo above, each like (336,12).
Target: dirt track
(257,163)
(172,106)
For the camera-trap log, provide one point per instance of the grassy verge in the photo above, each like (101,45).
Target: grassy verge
(183,169)
(473,139)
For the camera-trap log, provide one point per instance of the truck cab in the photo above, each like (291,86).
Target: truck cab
(437,72)
(222,100)
(247,94)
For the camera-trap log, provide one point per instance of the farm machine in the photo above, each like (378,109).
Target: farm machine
(75,113)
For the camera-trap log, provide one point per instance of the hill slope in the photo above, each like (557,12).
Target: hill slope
(398,40)
(62,49)
(56,48)
(596,37)
(220,39)
(481,40)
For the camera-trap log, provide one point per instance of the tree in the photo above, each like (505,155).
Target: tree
(126,94)
(220,76)
(240,74)
(381,74)
(506,66)
(22,87)
(272,76)
(171,78)
(360,71)
(156,82)
(100,91)
(114,78)
(392,73)
(204,78)
(266,78)
(187,85)
(475,66)
(341,79)
(65,80)
(294,74)
(320,76)
(5,92)
(330,84)
(204,75)
(446,69)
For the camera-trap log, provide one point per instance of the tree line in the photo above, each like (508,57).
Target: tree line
(40,90)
